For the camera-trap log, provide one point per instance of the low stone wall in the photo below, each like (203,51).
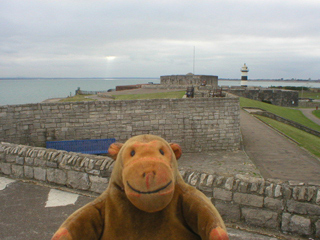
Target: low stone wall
(289,122)
(309,104)
(195,124)
(273,205)
(74,170)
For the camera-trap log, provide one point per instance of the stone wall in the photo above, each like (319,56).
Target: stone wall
(284,98)
(309,104)
(189,80)
(196,124)
(272,205)
(74,170)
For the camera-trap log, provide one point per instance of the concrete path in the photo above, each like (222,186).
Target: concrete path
(308,113)
(26,214)
(275,155)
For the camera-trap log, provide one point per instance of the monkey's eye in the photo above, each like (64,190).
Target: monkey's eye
(161,151)
(132,153)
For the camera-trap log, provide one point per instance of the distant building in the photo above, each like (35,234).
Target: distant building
(244,75)
(190,80)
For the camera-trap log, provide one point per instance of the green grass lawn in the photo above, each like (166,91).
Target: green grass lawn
(288,113)
(175,94)
(77,98)
(306,140)
(309,94)
(316,113)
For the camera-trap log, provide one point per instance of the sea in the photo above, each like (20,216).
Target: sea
(35,90)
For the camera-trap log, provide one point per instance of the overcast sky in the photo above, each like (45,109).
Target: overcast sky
(150,38)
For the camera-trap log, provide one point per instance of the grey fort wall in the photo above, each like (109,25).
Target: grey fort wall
(189,80)
(196,124)
(272,205)
(284,98)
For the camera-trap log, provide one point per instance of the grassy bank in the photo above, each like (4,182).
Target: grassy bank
(160,95)
(309,94)
(288,113)
(306,140)
(78,98)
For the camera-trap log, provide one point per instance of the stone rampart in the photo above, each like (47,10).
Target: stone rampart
(189,80)
(167,87)
(196,124)
(272,205)
(284,98)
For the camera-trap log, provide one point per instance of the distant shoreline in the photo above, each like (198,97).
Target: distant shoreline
(271,80)
(133,78)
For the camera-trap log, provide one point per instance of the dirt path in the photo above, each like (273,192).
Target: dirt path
(308,113)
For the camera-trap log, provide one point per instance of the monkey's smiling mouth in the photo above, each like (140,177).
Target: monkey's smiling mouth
(149,192)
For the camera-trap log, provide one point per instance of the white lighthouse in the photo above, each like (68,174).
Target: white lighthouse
(244,75)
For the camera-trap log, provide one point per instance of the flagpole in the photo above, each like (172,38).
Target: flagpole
(194,57)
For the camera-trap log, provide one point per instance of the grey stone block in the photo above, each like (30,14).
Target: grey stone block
(56,176)
(17,171)
(28,172)
(221,194)
(229,183)
(317,229)
(98,184)
(311,191)
(40,173)
(303,208)
(248,199)
(296,224)
(5,168)
(229,212)
(11,158)
(78,180)
(261,218)
(302,194)
(51,164)
(39,162)
(19,160)
(243,187)
(269,190)
(193,178)
(254,187)
(273,204)
(29,161)
(278,191)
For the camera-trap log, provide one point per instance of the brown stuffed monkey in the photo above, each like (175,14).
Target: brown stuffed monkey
(146,199)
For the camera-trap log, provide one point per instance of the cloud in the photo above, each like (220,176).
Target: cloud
(42,38)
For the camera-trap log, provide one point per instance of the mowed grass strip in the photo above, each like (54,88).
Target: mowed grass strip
(306,140)
(316,113)
(288,113)
(309,94)
(78,98)
(160,95)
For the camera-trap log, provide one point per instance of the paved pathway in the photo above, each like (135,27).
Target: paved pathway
(308,113)
(275,155)
(30,211)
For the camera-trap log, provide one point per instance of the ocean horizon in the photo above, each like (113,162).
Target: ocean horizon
(15,91)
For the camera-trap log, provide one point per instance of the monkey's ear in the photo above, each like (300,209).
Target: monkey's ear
(114,150)
(176,149)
